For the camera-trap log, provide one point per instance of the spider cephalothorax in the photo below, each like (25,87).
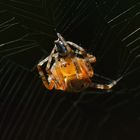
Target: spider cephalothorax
(69,72)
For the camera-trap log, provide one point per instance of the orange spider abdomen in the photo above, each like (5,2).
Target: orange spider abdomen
(73,74)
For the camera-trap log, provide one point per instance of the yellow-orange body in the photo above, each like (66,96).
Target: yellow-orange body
(71,74)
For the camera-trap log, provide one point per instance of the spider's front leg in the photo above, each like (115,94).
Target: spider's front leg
(44,80)
(81,51)
(50,58)
(41,72)
(91,58)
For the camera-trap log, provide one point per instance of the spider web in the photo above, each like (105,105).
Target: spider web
(108,29)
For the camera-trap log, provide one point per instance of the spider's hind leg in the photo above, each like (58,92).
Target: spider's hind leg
(105,86)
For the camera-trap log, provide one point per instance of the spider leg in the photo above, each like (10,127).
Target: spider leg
(91,58)
(105,86)
(44,80)
(50,58)
(56,56)
(41,73)
(43,61)
(81,51)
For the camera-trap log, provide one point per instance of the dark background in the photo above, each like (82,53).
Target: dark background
(109,29)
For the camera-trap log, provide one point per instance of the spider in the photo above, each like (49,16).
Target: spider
(71,70)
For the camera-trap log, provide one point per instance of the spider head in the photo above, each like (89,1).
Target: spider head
(60,48)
